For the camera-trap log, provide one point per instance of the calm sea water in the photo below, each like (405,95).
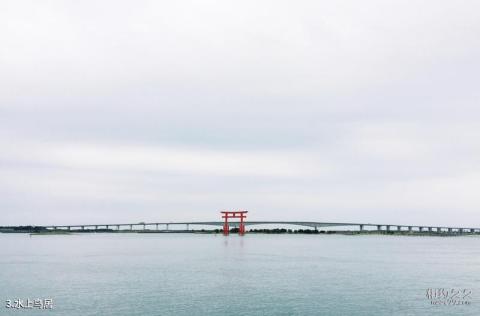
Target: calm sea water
(186,274)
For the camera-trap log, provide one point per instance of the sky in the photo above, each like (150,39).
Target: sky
(336,111)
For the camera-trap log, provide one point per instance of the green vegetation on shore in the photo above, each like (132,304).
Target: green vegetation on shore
(53,232)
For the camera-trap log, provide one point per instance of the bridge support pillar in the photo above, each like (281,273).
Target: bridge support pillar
(449,229)
(167,226)
(131,227)
(379,227)
(156,226)
(399,228)
(143,226)
(409,228)
(361,227)
(388,227)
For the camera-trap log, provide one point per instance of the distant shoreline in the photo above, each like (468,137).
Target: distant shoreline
(252,231)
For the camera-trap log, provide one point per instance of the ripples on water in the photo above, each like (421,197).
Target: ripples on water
(186,274)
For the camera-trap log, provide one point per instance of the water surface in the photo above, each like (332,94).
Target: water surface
(193,274)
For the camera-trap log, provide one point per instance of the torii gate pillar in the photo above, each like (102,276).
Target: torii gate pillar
(234,214)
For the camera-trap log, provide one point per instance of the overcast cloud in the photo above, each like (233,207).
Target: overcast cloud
(128,111)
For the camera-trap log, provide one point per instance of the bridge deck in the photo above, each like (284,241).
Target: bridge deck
(251,223)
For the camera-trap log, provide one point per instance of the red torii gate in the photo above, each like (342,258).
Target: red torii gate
(234,214)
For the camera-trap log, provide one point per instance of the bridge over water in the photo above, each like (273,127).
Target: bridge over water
(187,226)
